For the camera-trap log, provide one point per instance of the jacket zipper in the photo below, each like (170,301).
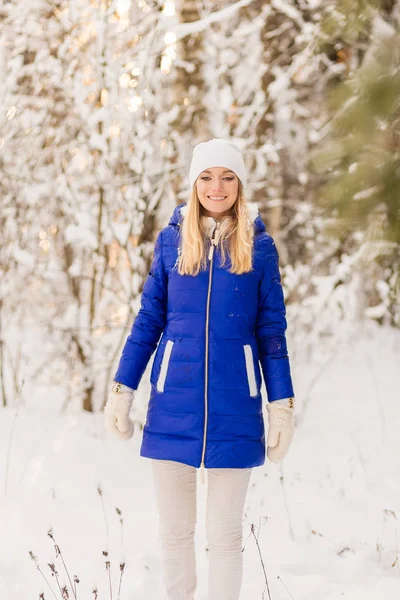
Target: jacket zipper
(214,242)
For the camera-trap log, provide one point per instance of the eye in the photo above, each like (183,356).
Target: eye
(228,178)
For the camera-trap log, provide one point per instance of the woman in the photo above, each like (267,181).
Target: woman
(214,295)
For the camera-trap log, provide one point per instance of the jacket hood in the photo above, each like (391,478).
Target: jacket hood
(179,213)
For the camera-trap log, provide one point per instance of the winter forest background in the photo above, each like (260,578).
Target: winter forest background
(101,103)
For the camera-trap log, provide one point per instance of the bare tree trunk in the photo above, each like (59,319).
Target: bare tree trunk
(279,198)
(85,358)
(191,121)
(3,389)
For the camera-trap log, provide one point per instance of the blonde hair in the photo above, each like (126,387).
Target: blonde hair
(194,242)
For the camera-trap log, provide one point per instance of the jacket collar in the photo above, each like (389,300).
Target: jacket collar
(209,222)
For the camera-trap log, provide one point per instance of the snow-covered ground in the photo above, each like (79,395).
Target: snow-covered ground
(327,517)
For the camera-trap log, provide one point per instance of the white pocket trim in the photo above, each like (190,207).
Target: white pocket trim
(164,365)
(251,376)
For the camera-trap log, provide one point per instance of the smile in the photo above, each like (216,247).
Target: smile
(217,197)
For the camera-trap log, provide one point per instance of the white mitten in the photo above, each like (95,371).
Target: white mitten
(117,410)
(281,428)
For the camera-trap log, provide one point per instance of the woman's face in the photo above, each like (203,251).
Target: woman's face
(217,189)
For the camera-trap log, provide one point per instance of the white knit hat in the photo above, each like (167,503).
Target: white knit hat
(217,153)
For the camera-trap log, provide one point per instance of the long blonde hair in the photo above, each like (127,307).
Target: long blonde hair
(194,242)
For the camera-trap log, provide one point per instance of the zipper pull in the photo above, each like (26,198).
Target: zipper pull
(214,240)
(202,473)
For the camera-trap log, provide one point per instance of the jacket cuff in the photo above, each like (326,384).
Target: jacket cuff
(125,388)
(289,402)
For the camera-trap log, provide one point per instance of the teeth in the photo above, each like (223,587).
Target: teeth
(217,197)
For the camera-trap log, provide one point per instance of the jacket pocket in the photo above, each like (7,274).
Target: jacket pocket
(251,376)
(164,365)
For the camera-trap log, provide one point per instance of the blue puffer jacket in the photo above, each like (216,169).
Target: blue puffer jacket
(205,407)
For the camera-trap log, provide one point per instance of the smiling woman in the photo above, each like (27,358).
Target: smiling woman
(217,191)
(214,295)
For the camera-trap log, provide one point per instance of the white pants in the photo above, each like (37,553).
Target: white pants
(175,489)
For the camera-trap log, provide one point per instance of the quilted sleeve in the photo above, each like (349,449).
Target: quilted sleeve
(148,324)
(270,329)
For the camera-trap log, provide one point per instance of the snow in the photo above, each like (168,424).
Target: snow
(327,516)
(288,10)
(83,177)
(183,29)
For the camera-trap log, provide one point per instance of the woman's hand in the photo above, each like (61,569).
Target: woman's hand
(117,409)
(281,428)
